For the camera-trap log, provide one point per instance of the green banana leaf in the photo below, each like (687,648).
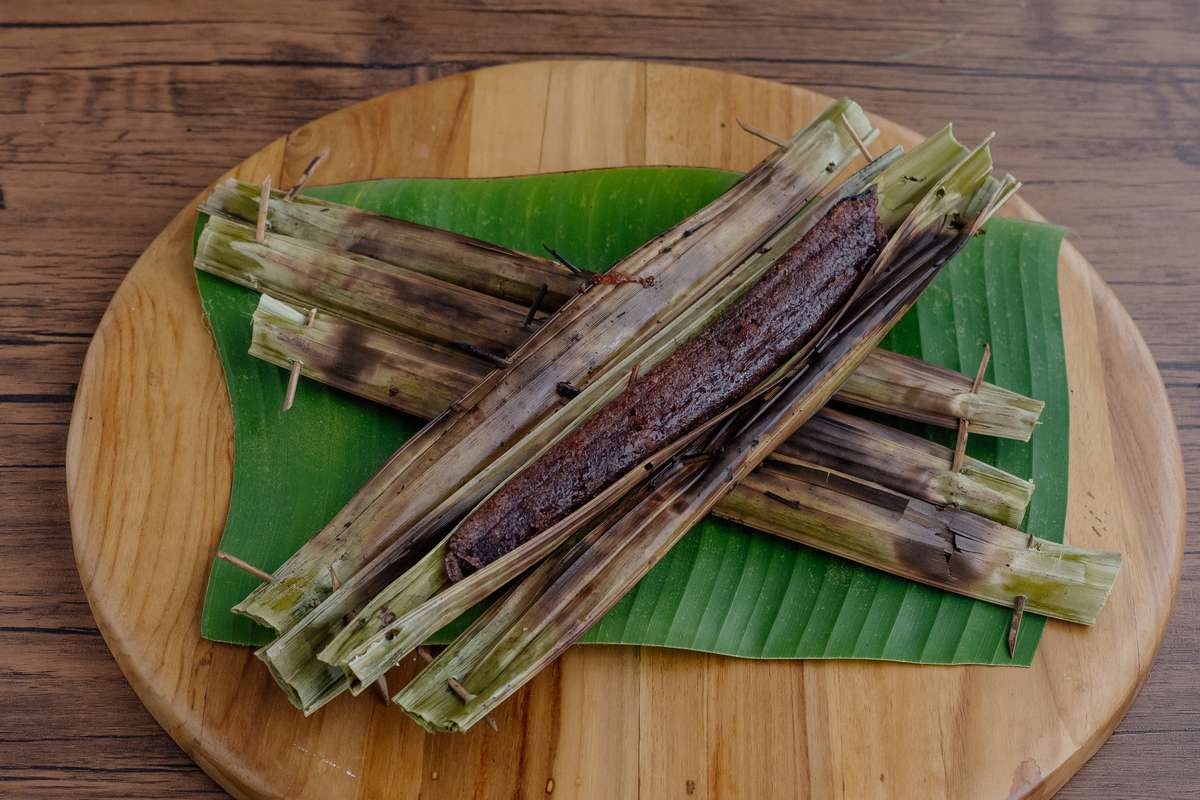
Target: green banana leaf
(724,588)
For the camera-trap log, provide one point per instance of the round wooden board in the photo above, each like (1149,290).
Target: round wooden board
(149,460)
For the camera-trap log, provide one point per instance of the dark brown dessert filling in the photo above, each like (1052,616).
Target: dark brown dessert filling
(705,376)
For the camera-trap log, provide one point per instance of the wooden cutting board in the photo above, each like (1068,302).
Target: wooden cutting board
(148,469)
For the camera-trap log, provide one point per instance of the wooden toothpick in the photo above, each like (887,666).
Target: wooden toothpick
(960,446)
(616,278)
(289,396)
(459,690)
(960,443)
(424,654)
(761,134)
(692,458)
(862,146)
(304,176)
(983,365)
(561,259)
(381,685)
(1014,627)
(479,352)
(264,201)
(633,375)
(261,574)
(537,305)
(778,498)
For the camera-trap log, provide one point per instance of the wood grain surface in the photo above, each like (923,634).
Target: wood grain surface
(115,116)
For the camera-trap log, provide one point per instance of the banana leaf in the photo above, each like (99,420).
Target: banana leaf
(723,588)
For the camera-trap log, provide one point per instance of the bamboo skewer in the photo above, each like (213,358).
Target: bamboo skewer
(561,259)
(1014,627)
(761,134)
(982,370)
(960,443)
(862,146)
(535,306)
(264,200)
(459,690)
(306,174)
(482,355)
(960,446)
(289,395)
(245,566)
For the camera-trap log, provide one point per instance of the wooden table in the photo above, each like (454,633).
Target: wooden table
(112,118)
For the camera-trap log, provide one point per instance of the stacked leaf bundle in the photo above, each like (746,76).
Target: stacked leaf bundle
(346,606)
